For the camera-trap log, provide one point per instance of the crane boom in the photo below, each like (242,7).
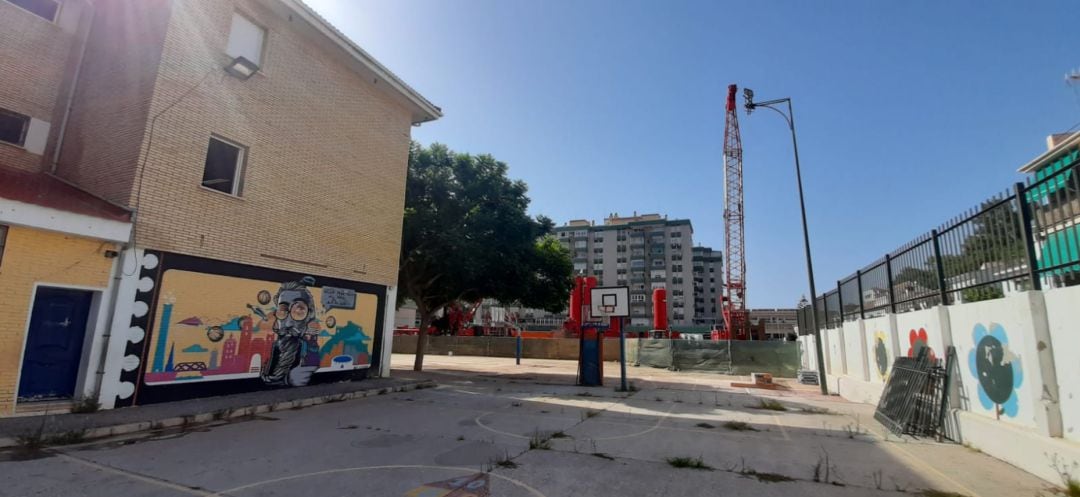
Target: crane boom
(736,316)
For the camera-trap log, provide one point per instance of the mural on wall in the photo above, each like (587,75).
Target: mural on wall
(881,354)
(919,341)
(214,327)
(997,368)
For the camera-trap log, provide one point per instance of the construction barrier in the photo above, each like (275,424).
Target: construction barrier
(737,357)
(734,357)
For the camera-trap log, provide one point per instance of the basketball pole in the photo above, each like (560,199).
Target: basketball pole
(622,351)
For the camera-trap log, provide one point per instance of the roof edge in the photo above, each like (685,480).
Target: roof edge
(1045,157)
(429,110)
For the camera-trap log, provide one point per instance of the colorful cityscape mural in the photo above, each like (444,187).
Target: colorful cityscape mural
(211,327)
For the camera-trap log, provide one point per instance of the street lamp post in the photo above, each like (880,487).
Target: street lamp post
(748,95)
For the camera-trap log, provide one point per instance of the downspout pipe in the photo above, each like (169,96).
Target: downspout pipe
(106,336)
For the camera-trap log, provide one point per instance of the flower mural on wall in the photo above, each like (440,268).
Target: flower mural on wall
(881,354)
(919,341)
(997,368)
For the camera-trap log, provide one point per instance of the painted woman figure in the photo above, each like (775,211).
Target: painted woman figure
(294,319)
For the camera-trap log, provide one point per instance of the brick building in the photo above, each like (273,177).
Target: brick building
(262,157)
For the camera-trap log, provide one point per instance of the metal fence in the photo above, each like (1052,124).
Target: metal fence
(1027,238)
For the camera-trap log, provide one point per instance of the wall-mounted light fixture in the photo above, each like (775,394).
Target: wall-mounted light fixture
(242,68)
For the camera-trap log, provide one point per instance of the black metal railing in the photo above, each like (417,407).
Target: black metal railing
(1025,238)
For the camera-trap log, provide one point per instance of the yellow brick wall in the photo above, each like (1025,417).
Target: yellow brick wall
(34,256)
(327,153)
(33,60)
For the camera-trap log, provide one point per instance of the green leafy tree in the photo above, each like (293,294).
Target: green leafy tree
(467,236)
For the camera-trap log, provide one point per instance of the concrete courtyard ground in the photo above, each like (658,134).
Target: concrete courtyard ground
(528,431)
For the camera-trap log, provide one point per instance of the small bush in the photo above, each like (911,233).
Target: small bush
(689,463)
(768,477)
(539,441)
(771,405)
(85,405)
(739,426)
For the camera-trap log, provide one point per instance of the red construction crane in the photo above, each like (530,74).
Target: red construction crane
(736,317)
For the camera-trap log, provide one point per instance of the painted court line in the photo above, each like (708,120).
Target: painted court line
(241,488)
(133,476)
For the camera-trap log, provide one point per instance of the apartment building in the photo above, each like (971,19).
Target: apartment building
(708,271)
(257,158)
(644,252)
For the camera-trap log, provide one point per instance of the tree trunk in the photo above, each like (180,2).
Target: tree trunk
(421,340)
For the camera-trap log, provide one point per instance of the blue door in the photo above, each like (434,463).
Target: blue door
(54,343)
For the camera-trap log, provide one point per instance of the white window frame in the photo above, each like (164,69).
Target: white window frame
(238,172)
(262,42)
(56,15)
(25,128)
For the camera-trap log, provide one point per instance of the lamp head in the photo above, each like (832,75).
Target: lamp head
(748,96)
(241,68)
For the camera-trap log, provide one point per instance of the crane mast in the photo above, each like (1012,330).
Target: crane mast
(736,317)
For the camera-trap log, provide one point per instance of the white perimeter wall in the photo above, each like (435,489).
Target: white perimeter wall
(1063,316)
(854,343)
(881,346)
(931,325)
(1017,323)
(1007,398)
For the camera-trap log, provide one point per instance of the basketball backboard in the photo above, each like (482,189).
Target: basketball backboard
(610,301)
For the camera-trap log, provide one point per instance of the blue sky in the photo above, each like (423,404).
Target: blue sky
(907,112)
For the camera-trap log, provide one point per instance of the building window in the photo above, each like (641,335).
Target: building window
(246,39)
(13,127)
(224,168)
(637,297)
(3,241)
(676,234)
(45,9)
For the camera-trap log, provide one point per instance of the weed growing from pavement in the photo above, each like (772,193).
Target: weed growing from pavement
(770,405)
(815,410)
(763,476)
(689,463)
(503,461)
(86,405)
(539,441)
(1071,485)
(854,430)
(705,425)
(739,426)
(602,455)
(560,434)
(69,437)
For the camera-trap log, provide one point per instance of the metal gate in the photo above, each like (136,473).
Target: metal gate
(915,399)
